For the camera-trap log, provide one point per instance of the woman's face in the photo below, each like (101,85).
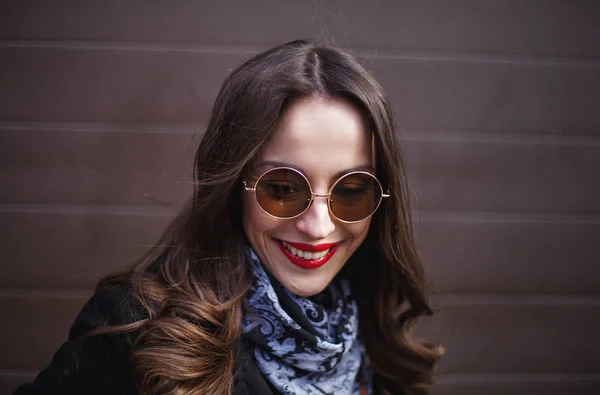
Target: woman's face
(322,139)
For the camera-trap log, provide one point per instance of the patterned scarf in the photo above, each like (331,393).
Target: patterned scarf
(305,345)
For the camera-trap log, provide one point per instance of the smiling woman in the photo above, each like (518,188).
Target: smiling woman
(285,242)
(285,272)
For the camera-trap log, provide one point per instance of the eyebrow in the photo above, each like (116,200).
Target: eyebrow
(276,163)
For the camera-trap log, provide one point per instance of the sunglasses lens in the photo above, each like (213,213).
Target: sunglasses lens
(283,193)
(355,196)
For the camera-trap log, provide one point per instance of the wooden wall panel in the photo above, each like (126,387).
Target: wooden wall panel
(472,176)
(534,27)
(75,166)
(109,85)
(38,324)
(145,85)
(10,380)
(104,166)
(73,249)
(479,94)
(503,255)
(507,334)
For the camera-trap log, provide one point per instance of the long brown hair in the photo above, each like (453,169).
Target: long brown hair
(194,281)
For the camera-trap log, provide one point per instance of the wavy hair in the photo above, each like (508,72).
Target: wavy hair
(193,282)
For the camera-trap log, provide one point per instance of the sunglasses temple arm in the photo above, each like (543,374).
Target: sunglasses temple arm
(247,188)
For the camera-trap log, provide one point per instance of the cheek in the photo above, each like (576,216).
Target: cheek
(250,216)
(256,223)
(359,231)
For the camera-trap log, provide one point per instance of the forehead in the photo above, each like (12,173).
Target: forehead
(320,136)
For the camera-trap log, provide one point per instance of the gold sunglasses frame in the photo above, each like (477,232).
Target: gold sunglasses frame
(313,194)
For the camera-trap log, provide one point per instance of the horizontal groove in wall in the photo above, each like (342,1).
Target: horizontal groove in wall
(372,53)
(158,210)
(18,373)
(435,216)
(475,299)
(476,57)
(508,136)
(441,300)
(46,293)
(424,216)
(135,46)
(497,137)
(99,127)
(515,377)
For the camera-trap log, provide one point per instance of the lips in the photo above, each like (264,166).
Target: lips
(307,256)
(310,247)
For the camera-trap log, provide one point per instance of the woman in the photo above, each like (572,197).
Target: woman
(292,269)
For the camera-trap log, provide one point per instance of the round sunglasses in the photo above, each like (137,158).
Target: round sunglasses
(285,193)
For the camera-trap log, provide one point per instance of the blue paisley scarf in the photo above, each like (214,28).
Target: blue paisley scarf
(305,345)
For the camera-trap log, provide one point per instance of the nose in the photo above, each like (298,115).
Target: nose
(316,222)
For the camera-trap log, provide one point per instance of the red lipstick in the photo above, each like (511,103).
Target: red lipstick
(310,247)
(309,263)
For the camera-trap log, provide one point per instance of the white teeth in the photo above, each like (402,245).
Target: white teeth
(305,254)
(317,255)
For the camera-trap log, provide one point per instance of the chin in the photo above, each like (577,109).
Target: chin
(305,287)
(306,292)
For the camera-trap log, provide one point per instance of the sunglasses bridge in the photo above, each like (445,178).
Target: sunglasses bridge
(323,195)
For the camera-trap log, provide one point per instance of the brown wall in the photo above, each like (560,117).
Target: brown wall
(498,103)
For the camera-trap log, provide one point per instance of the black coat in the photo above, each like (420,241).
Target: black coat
(100,364)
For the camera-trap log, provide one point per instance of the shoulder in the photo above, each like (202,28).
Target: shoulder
(247,377)
(97,364)
(109,306)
